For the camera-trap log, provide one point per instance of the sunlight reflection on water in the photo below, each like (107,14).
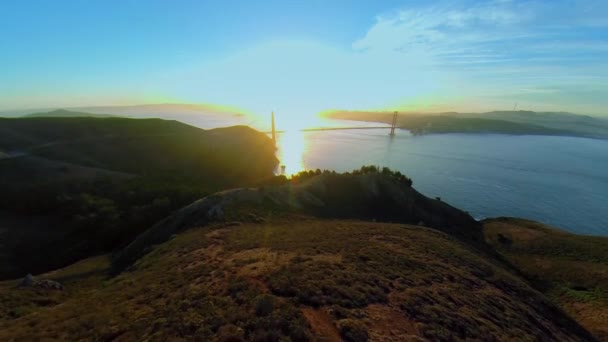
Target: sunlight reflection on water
(293,145)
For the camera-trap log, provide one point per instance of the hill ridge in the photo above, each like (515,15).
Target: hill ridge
(371,196)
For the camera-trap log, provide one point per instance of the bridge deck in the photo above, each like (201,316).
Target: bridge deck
(334,129)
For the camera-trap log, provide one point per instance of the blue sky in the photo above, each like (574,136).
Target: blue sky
(307,56)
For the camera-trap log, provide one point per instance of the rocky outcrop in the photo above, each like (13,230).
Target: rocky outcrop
(46,284)
(28,281)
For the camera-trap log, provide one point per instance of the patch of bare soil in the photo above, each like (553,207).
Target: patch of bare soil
(321,324)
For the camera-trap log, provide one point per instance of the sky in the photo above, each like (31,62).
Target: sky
(302,57)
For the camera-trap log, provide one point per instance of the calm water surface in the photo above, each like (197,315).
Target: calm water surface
(561,181)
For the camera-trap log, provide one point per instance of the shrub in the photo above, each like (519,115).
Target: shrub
(352,331)
(365,169)
(504,240)
(230,333)
(264,305)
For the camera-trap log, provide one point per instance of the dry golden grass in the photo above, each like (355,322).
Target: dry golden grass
(292,279)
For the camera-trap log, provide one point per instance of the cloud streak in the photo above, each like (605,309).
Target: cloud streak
(508,46)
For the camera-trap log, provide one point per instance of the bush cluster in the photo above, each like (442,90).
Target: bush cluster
(366,169)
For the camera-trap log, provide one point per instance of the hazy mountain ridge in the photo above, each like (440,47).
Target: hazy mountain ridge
(505,122)
(167,108)
(125,109)
(200,115)
(585,124)
(63,113)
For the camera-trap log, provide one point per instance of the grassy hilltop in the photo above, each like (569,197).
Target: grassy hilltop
(293,278)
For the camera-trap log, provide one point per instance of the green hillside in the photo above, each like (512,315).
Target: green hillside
(101,181)
(572,270)
(584,125)
(150,147)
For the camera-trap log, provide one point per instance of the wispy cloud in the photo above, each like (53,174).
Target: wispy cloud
(445,28)
(511,47)
(480,56)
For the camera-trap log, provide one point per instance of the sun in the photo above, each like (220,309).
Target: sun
(291,148)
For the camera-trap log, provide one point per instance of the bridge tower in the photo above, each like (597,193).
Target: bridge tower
(394,124)
(274,133)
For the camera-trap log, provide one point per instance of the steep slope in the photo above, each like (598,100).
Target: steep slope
(37,170)
(572,270)
(291,277)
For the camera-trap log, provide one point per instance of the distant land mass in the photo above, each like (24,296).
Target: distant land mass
(519,122)
(62,113)
(200,115)
(170,111)
(502,122)
(163,108)
(72,186)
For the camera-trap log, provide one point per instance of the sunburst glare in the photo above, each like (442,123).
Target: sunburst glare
(291,148)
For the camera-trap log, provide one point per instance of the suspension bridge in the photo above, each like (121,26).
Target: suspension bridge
(392,128)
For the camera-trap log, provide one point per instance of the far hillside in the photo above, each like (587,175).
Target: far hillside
(140,146)
(73,187)
(584,125)
(200,115)
(571,270)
